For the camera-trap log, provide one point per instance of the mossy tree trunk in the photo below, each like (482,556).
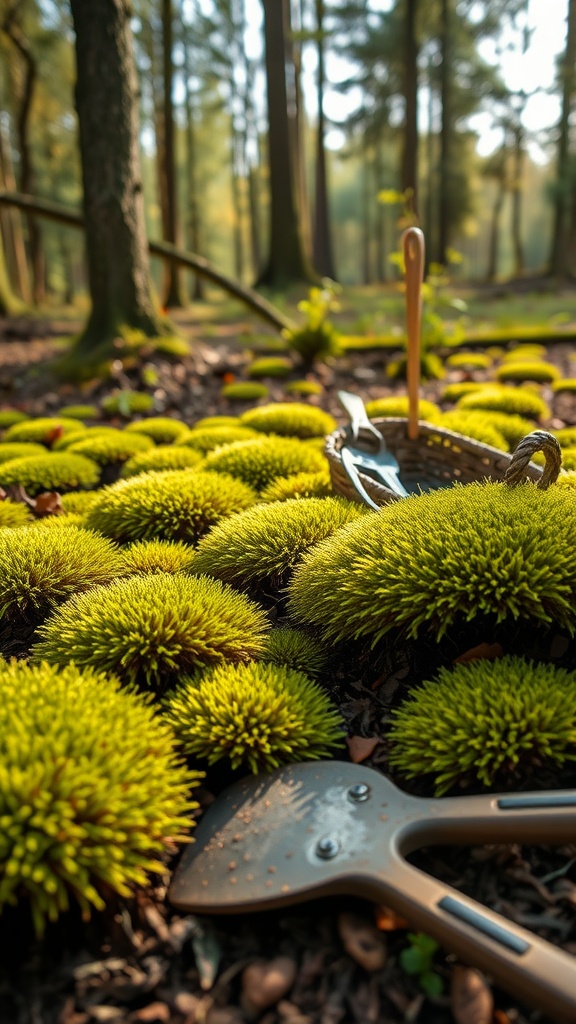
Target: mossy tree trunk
(107,106)
(9,304)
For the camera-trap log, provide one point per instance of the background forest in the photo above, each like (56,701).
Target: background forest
(411,81)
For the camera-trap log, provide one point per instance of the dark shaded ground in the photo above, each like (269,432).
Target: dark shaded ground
(322,963)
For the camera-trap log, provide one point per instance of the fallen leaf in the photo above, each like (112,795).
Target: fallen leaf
(387,920)
(360,747)
(53,435)
(484,650)
(472,1001)
(362,941)
(265,982)
(49,503)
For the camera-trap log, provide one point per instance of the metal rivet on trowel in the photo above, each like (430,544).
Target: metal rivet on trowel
(359,792)
(327,847)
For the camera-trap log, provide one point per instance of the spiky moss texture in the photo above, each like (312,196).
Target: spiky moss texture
(257,463)
(259,715)
(216,421)
(162,429)
(518,401)
(126,403)
(397,405)
(475,426)
(454,392)
(168,456)
(179,504)
(8,417)
(441,558)
(265,543)
(209,438)
(80,412)
(39,568)
(20,450)
(92,791)
(301,485)
(303,388)
(270,366)
(107,448)
(14,513)
(289,419)
(493,722)
(294,649)
(79,501)
(567,479)
(61,521)
(150,629)
(469,361)
(157,556)
(518,370)
(244,391)
(62,444)
(54,471)
(43,430)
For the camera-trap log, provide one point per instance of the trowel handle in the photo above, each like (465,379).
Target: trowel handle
(413,249)
(532,969)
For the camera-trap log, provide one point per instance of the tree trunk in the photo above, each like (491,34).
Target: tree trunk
(298,125)
(558,254)
(107,106)
(173,292)
(236,183)
(367,197)
(287,262)
(446,129)
(494,238)
(12,226)
(516,225)
(410,151)
(322,245)
(194,220)
(380,216)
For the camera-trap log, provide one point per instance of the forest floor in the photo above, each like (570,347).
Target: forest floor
(334,961)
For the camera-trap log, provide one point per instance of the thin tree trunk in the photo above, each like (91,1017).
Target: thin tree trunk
(173,291)
(446,129)
(365,220)
(236,209)
(410,150)
(517,195)
(380,214)
(558,254)
(194,221)
(494,237)
(322,245)
(298,129)
(12,226)
(430,223)
(10,305)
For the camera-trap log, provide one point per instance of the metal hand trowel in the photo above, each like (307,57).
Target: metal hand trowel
(323,828)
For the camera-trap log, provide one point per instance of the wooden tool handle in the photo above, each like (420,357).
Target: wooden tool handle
(413,246)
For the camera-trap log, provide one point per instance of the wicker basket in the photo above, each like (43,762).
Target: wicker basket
(439,457)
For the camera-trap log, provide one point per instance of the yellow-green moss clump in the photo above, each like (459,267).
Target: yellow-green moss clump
(216,421)
(179,504)
(301,485)
(259,462)
(157,556)
(518,401)
(569,458)
(473,425)
(106,449)
(305,388)
(53,471)
(566,384)
(92,791)
(8,417)
(168,456)
(258,715)
(244,391)
(566,437)
(518,370)
(127,403)
(269,366)
(512,428)
(447,556)
(206,439)
(491,722)
(39,568)
(265,543)
(20,450)
(44,430)
(150,629)
(289,419)
(294,649)
(524,352)
(14,513)
(80,412)
(567,479)
(397,405)
(79,501)
(469,361)
(454,392)
(62,444)
(162,429)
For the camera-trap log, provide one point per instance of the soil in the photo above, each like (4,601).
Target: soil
(335,961)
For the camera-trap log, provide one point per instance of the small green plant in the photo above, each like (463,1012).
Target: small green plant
(151,629)
(167,456)
(269,366)
(491,722)
(93,792)
(111,449)
(44,430)
(518,371)
(258,715)
(257,463)
(304,388)
(517,401)
(206,439)
(162,429)
(294,649)
(317,339)
(397,405)
(53,471)
(469,361)
(244,391)
(147,556)
(126,403)
(418,959)
(289,419)
(301,485)
(80,412)
(177,504)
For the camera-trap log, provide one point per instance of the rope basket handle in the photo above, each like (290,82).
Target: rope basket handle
(537,441)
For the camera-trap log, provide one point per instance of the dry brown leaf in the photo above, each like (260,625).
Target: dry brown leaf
(500,1017)
(49,503)
(387,920)
(360,747)
(362,941)
(472,1001)
(484,650)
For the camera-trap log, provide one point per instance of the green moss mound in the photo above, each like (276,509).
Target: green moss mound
(474,425)
(397,405)
(569,458)
(301,485)
(265,543)
(39,568)
(523,353)
(168,456)
(269,366)
(294,649)
(20,450)
(244,391)
(80,412)
(151,629)
(157,556)
(14,513)
(54,471)
(257,463)
(8,417)
(566,384)
(207,439)
(304,388)
(454,392)
(93,791)
(491,722)
(162,429)
(216,421)
(518,401)
(62,444)
(112,448)
(440,558)
(567,479)
(566,437)
(518,370)
(289,419)
(127,403)
(512,428)
(469,361)
(44,430)
(79,501)
(258,715)
(174,505)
